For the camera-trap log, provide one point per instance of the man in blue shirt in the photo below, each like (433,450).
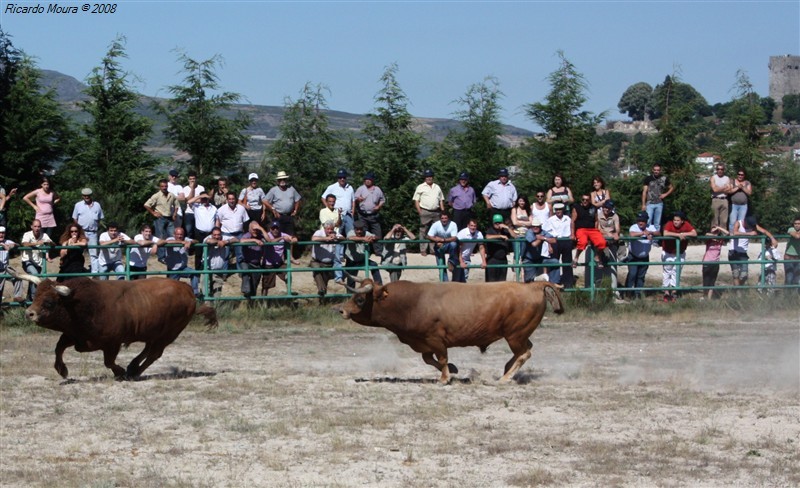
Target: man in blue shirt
(87,213)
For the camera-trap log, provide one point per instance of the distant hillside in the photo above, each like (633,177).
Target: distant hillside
(265,119)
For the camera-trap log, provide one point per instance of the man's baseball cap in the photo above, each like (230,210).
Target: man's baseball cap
(558,206)
(427,173)
(536,222)
(497,218)
(275,225)
(173,172)
(463,176)
(502,172)
(341,174)
(252,176)
(642,217)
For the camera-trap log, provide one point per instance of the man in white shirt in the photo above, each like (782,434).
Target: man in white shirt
(176,189)
(145,247)
(345,200)
(231,219)
(33,259)
(189,192)
(7,245)
(443,235)
(205,219)
(500,195)
(468,233)
(110,258)
(560,227)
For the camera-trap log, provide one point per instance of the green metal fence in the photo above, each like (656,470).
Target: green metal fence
(593,285)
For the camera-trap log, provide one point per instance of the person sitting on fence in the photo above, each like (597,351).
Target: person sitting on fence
(217,257)
(739,247)
(72,259)
(111,256)
(539,242)
(711,260)
(146,246)
(275,256)
(354,252)
(443,234)
(395,250)
(682,229)
(608,225)
(791,270)
(640,252)
(33,258)
(466,247)
(324,255)
(177,257)
(584,231)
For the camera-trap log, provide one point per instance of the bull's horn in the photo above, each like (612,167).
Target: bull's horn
(354,278)
(64,291)
(364,289)
(349,288)
(36,280)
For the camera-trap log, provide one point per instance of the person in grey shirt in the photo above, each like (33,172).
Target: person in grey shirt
(283,201)
(369,202)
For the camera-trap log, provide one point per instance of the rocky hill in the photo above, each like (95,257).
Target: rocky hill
(265,119)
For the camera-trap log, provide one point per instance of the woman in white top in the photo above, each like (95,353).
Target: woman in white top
(600,194)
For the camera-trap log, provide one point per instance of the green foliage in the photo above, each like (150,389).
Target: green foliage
(570,131)
(741,142)
(35,133)
(791,108)
(391,149)
(635,100)
(308,150)
(111,158)
(674,92)
(779,202)
(197,123)
(475,147)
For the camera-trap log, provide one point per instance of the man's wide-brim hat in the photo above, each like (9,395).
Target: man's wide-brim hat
(282,175)
(86,191)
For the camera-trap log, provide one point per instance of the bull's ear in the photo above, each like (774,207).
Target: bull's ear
(379,293)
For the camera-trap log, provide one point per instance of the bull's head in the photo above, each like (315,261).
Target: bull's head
(46,301)
(360,304)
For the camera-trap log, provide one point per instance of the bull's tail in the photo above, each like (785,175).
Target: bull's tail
(210,314)
(552,293)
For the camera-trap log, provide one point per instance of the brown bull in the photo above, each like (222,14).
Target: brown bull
(97,315)
(432,317)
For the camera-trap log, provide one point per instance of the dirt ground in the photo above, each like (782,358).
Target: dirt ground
(670,399)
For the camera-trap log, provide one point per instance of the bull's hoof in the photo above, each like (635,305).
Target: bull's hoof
(62,371)
(452,368)
(132,371)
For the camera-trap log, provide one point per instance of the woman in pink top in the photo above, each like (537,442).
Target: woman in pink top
(45,199)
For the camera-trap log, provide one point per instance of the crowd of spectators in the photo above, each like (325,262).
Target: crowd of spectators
(254,231)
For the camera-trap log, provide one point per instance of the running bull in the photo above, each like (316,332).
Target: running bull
(432,317)
(97,315)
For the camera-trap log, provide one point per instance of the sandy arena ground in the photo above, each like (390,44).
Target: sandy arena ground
(669,399)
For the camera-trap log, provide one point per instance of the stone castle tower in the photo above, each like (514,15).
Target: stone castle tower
(784,76)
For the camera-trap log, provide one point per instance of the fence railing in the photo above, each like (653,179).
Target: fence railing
(592,277)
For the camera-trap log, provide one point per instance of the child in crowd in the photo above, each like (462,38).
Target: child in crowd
(711,256)
(773,255)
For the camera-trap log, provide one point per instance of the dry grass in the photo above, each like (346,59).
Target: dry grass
(300,398)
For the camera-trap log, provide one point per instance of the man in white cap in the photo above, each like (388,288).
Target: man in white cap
(283,201)
(560,227)
(87,213)
(252,199)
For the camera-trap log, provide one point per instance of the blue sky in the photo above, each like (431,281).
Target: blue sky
(271,49)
